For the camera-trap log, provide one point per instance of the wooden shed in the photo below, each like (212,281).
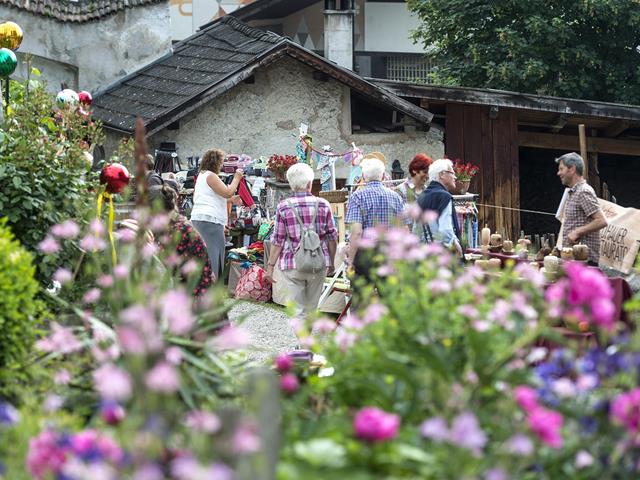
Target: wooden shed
(514,138)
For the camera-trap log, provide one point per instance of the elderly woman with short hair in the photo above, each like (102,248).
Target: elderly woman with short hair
(437,197)
(303,288)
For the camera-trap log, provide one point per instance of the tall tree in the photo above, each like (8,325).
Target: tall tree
(569,48)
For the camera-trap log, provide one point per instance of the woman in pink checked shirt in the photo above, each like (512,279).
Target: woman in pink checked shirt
(302,288)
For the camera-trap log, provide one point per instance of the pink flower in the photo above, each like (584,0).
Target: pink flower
(90,243)
(112,413)
(96,227)
(125,235)
(105,281)
(61,340)
(159,222)
(246,439)
(148,471)
(49,246)
(352,322)
(385,270)
(526,397)
(323,326)
(92,295)
(230,338)
(206,422)
(603,312)
(121,271)
(52,403)
(625,410)
(176,311)
(520,445)
(149,250)
(345,339)
(283,363)
(130,340)
(435,428)
(44,455)
(481,325)
(190,267)
(62,377)
(496,474)
(374,312)
(173,355)
(289,383)
(163,378)
(438,286)
(546,424)
(583,459)
(112,383)
(466,433)
(67,229)
(63,276)
(429,216)
(374,425)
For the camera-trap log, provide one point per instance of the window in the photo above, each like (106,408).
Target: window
(409,68)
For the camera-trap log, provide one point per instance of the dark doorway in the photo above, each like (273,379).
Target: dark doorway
(540,190)
(622,176)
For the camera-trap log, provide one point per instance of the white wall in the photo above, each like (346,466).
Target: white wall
(387,27)
(263,118)
(102,51)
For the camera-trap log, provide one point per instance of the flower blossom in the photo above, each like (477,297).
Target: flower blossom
(546,424)
(63,275)
(289,383)
(200,421)
(67,229)
(163,378)
(466,433)
(625,410)
(230,338)
(374,425)
(49,246)
(112,383)
(61,340)
(435,428)
(176,311)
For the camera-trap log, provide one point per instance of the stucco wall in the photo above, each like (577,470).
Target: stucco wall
(103,50)
(263,118)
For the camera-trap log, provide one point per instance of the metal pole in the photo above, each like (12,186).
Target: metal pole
(6,95)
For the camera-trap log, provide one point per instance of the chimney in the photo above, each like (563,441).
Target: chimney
(338,31)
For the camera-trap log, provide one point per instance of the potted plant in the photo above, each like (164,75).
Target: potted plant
(464,173)
(279,164)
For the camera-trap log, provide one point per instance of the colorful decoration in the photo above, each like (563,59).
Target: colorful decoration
(10,35)
(303,149)
(67,97)
(85,98)
(8,62)
(114,177)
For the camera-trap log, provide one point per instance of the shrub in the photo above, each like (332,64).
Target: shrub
(19,311)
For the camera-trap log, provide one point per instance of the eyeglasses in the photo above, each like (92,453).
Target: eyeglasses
(450,171)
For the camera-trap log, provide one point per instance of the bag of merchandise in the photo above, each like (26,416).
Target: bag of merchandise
(253,286)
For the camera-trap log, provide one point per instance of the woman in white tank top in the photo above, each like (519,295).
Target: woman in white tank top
(209,212)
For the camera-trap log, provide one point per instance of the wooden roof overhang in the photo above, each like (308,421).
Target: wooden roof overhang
(543,121)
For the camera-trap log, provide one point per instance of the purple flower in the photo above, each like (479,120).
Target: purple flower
(435,428)
(112,413)
(374,425)
(49,246)
(466,433)
(112,383)
(496,474)
(163,377)
(148,471)
(9,415)
(283,363)
(520,445)
(63,275)
(176,311)
(206,422)
(67,229)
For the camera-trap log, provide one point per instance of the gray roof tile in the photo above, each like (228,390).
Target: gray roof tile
(76,11)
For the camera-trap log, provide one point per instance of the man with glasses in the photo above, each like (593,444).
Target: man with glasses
(437,198)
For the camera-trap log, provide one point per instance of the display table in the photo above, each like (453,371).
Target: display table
(504,257)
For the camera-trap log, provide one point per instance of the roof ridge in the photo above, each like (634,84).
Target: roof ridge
(240,26)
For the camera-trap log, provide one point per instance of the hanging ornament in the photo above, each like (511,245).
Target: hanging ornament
(10,35)
(115,177)
(85,98)
(8,62)
(66,97)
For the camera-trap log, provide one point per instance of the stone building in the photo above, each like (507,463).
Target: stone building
(86,44)
(246,91)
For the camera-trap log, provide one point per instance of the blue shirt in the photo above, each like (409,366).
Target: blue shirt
(374,204)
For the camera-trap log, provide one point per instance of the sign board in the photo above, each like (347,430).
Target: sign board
(620,239)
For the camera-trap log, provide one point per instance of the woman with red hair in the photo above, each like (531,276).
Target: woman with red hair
(415,184)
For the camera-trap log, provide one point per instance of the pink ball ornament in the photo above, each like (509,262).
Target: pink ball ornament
(85,98)
(115,176)
(66,97)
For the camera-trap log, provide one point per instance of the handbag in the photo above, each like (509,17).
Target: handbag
(253,286)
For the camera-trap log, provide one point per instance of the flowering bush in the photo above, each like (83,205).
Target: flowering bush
(279,164)
(464,171)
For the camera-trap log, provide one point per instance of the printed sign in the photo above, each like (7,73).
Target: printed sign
(620,239)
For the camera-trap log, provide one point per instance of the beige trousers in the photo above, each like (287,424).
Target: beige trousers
(304,289)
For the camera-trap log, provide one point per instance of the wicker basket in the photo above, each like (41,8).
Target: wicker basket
(334,196)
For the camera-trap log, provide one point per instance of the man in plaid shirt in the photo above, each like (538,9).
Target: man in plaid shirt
(583,218)
(371,205)
(303,288)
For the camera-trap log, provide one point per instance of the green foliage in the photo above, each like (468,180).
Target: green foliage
(44,173)
(19,310)
(579,49)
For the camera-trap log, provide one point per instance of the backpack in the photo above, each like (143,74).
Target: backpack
(308,257)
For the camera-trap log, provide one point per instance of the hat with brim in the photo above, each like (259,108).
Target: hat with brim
(375,155)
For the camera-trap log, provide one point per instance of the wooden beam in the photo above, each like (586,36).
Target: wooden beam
(424,103)
(559,122)
(582,136)
(567,142)
(616,128)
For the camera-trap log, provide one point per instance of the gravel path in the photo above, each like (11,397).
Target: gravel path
(269,328)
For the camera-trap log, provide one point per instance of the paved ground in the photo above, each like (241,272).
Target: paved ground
(269,328)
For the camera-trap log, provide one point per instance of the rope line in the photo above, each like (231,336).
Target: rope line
(516,209)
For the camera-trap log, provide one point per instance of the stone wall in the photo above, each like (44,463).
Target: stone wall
(263,118)
(102,51)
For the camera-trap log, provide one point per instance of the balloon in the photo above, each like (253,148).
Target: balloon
(115,176)
(85,98)
(8,62)
(10,35)
(66,97)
